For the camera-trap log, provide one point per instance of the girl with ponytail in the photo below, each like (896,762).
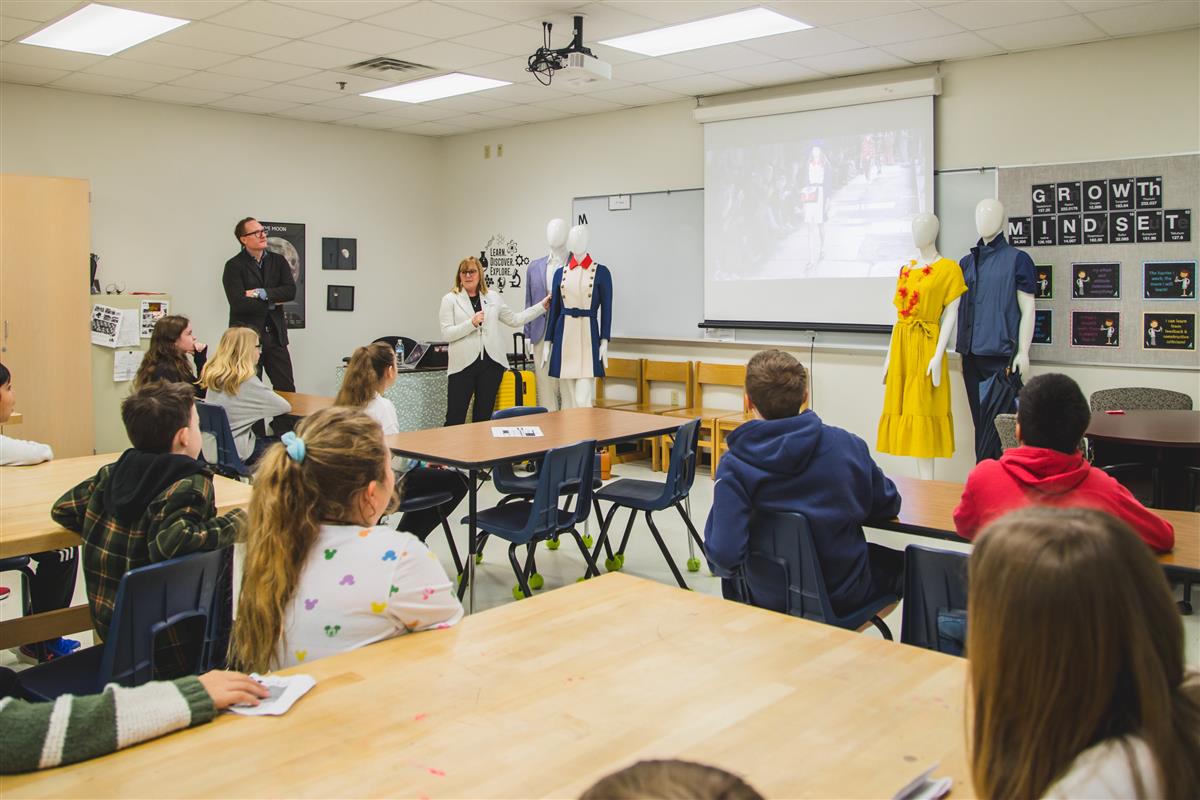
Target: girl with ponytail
(320,577)
(370,373)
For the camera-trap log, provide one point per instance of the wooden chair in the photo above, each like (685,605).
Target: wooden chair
(709,375)
(619,369)
(721,428)
(679,372)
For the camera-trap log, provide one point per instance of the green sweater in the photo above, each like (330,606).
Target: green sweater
(42,735)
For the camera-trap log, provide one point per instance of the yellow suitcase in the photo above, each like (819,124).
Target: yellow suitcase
(518,387)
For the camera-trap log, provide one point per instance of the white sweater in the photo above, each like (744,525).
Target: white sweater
(1104,771)
(21,452)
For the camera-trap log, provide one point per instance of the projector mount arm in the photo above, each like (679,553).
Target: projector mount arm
(546,61)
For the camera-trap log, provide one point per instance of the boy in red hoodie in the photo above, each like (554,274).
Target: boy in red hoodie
(1048,469)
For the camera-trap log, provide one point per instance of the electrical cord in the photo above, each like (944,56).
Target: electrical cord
(544,61)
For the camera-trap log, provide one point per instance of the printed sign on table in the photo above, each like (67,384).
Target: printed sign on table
(1095,281)
(1169,280)
(1168,331)
(1095,329)
(1042,326)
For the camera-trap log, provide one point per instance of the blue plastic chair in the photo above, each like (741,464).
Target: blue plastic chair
(565,471)
(21,564)
(935,587)
(214,421)
(782,574)
(507,482)
(650,496)
(422,502)
(150,599)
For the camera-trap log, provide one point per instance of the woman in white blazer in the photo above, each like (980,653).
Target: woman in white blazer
(471,320)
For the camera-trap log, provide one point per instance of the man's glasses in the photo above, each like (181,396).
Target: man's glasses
(259,232)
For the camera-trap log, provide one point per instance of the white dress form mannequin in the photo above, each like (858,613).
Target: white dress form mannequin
(989,221)
(924,232)
(547,385)
(577,392)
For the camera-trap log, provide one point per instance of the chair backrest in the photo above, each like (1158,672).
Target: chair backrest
(153,598)
(621,369)
(667,372)
(517,411)
(707,374)
(565,471)
(1140,399)
(935,582)
(781,571)
(1006,426)
(682,470)
(215,422)
(503,475)
(409,344)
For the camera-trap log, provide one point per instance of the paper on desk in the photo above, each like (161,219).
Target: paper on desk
(505,432)
(126,363)
(285,691)
(925,787)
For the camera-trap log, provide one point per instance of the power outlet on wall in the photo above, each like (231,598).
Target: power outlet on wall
(499,151)
(487,151)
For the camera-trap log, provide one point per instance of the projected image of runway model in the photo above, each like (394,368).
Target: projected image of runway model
(916,418)
(995,324)
(579,324)
(539,277)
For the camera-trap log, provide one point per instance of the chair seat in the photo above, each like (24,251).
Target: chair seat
(14,562)
(861,616)
(509,520)
(634,493)
(77,674)
(731,421)
(526,485)
(705,415)
(650,408)
(420,502)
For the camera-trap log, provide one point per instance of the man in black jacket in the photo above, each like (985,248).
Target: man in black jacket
(257,284)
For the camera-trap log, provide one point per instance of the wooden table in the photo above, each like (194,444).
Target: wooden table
(1169,433)
(798,708)
(472,447)
(26,496)
(305,404)
(928,510)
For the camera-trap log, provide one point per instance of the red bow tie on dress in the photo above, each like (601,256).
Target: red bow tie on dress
(587,260)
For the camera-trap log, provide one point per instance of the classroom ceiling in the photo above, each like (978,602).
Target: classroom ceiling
(286,58)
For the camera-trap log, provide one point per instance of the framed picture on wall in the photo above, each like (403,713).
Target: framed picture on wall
(339,298)
(339,253)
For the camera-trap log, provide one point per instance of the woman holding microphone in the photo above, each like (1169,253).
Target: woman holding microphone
(471,319)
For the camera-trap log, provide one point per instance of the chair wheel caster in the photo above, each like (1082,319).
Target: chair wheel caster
(458,580)
(693,565)
(536,581)
(552,544)
(613,564)
(581,580)
(479,558)
(587,540)
(517,593)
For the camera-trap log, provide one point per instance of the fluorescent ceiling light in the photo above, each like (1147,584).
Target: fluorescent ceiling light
(753,23)
(455,83)
(103,30)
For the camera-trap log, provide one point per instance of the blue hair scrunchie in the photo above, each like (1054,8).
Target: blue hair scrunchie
(294,445)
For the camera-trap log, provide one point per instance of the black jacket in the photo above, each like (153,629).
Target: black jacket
(242,273)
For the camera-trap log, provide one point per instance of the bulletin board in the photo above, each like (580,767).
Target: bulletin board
(1115,249)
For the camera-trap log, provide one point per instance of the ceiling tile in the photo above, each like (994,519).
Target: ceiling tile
(651,69)
(434,129)
(137,70)
(251,105)
(523,93)
(636,96)
(978,14)
(823,13)
(1043,33)
(801,44)
(180,94)
(434,20)
(348,9)
(507,69)
(418,112)
(369,38)
(308,54)
(476,122)
(35,76)
(536,113)
(376,121)
(470,103)
(853,62)
(48,57)
(174,55)
(1147,18)
(180,9)
(40,10)
(601,21)
(13,28)
(316,113)
(580,105)
(590,88)
(293,94)
(773,74)
(672,12)
(363,105)
(1088,6)
(943,48)
(447,56)
(613,55)
(294,23)
(263,70)
(531,10)
(719,58)
(213,82)
(355,84)
(512,40)
(697,85)
(922,24)
(100,84)
(221,38)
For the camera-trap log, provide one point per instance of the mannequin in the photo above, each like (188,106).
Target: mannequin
(539,277)
(916,418)
(995,323)
(579,324)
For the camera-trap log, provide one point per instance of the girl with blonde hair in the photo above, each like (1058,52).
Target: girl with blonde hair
(1077,679)
(232,384)
(320,577)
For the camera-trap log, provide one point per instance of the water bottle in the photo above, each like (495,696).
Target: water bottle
(399,351)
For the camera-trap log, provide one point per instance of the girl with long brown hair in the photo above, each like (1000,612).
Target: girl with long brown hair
(231,383)
(171,342)
(1077,679)
(320,577)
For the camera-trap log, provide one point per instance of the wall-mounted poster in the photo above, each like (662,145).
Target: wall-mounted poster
(1043,319)
(1169,331)
(287,239)
(339,253)
(339,298)
(1019,231)
(1177,225)
(152,312)
(1044,282)
(1101,281)
(1169,280)
(1095,329)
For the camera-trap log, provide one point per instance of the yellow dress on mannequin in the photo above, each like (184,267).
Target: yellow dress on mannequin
(916,417)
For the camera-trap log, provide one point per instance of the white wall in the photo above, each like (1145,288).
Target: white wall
(169,182)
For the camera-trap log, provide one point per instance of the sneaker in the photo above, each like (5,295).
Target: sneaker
(48,651)
(4,592)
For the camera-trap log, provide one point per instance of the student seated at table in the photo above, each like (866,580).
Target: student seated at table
(788,460)
(371,372)
(320,577)
(76,728)
(671,780)
(232,384)
(154,503)
(1078,685)
(1048,468)
(171,342)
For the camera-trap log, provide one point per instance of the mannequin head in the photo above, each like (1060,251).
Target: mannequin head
(556,233)
(577,241)
(989,218)
(924,230)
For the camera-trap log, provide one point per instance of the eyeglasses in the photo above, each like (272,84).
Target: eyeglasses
(259,232)
(469,272)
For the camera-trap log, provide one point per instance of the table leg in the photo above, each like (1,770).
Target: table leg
(472,539)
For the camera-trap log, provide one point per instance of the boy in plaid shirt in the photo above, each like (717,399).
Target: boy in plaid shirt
(155,503)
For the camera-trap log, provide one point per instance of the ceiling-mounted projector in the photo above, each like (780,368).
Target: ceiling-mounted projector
(575,64)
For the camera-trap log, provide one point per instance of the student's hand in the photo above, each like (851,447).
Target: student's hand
(546,303)
(477,320)
(252,293)
(199,347)
(230,688)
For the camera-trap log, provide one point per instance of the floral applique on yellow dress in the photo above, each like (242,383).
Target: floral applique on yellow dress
(916,417)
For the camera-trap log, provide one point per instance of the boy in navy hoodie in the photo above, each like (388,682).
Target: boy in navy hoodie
(792,461)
